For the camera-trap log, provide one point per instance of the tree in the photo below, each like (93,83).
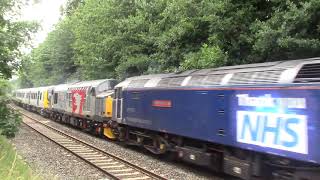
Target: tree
(293,31)
(123,38)
(13,35)
(51,62)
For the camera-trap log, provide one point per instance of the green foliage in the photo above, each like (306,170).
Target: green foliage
(9,119)
(13,34)
(52,62)
(293,31)
(207,57)
(122,38)
(11,166)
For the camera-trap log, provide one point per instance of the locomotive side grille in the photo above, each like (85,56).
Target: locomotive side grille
(163,82)
(171,82)
(176,81)
(209,80)
(196,80)
(138,83)
(260,77)
(308,73)
(213,79)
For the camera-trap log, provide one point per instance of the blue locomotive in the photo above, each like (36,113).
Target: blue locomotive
(248,120)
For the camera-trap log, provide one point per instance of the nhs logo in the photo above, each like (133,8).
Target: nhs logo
(273,129)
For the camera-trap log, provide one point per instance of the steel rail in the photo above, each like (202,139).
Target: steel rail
(113,166)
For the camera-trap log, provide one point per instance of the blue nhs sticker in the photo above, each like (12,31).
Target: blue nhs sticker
(276,130)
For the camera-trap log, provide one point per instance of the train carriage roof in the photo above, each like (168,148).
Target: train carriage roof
(293,71)
(61,88)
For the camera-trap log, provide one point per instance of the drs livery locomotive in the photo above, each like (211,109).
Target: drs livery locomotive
(248,121)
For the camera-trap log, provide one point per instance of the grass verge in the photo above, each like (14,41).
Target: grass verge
(11,166)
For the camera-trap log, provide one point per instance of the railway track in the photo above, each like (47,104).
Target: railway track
(112,166)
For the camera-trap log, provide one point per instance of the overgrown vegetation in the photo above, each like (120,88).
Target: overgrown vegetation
(9,119)
(121,38)
(13,35)
(11,166)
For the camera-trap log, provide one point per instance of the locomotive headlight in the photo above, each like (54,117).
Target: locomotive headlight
(180,154)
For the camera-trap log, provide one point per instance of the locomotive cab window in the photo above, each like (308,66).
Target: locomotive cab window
(118,93)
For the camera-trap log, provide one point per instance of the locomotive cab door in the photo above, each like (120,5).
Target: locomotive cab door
(118,104)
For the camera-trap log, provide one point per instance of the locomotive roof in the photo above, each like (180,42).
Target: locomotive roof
(293,71)
(96,86)
(93,83)
(105,94)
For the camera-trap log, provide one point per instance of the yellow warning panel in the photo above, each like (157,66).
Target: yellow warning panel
(109,106)
(46,99)
(108,133)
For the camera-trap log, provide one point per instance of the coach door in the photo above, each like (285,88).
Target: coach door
(118,104)
(38,98)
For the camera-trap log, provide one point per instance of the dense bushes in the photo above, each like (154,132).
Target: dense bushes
(9,119)
(13,35)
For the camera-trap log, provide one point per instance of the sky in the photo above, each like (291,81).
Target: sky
(46,12)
